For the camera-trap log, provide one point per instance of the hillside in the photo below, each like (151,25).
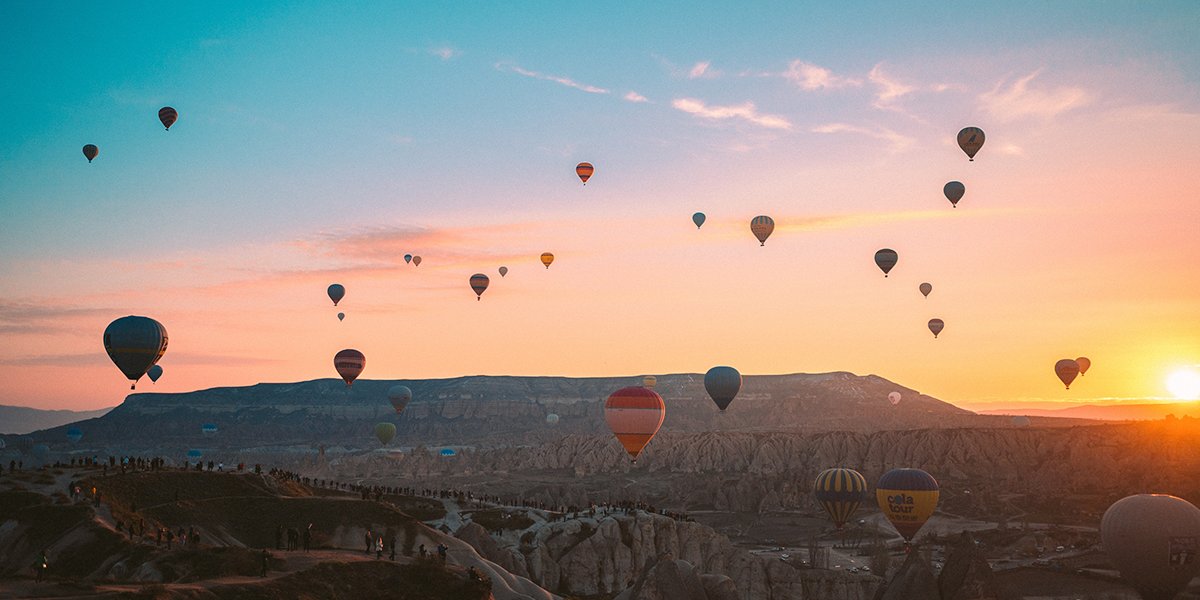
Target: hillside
(22,419)
(1111,412)
(494,411)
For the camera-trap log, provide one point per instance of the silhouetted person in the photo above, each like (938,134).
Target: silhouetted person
(392,545)
(442,549)
(41,566)
(379,547)
(421,551)
(266,561)
(307,536)
(370,542)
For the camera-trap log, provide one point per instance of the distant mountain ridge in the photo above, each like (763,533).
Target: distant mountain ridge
(23,419)
(491,411)
(1110,412)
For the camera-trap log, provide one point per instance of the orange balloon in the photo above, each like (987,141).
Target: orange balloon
(634,414)
(584,170)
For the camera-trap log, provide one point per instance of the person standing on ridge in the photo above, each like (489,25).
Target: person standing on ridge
(42,565)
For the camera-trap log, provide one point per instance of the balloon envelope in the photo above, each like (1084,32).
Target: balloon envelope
(762,226)
(399,396)
(134,344)
(503,271)
(925,289)
(90,151)
(970,139)
(722,385)
(584,170)
(1084,364)
(407,258)
(349,364)
(547,258)
(336,292)
(384,432)
(840,491)
(194,453)
(168,116)
(551,419)
(447,452)
(954,192)
(698,219)
(416,261)
(886,259)
(479,283)
(74,434)
(1067,370)
(907,498)
(634,414)
(936,326)
(1153,539)
(208,429)
(649,381)
(1020,421)
(894,398)
(154,373)
(341,316)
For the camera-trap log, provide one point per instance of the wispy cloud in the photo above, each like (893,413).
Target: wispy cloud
(898,141)
(633,96)
(567,81)
(703,70)
(890,90)
(746,111)
(445,52)
(1019,99)
(810,77)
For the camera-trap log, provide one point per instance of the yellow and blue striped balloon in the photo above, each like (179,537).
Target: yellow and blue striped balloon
(840,491)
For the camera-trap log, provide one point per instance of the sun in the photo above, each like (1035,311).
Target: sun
(1184,384)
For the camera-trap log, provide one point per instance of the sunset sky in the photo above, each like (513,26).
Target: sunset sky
(319,144)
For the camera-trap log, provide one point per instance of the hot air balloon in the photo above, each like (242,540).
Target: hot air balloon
(722,385)
(341,316)
(90,151)
(1020,421)
(399,396)
(552,419)
(384,432)
(1084,364)
(407,258)
(886,259)
(634,414)
(168,116)
(336,292)
(547,258)
(134,344)
(840,491)
(649,381)
(208,429)
(762,226)
(936,326)
(698,219)
(447,452)
(479,283)
(503,271)
(416,261)
(74,434)
(907,498)
(349,364)
(894,398)
(970,139)
(1153,539)
(195,454)
(925,289)
(954,192)
(584,170)
(1067,370)
(154,373)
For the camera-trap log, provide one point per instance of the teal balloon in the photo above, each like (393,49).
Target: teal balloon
(722,385)
(698,219)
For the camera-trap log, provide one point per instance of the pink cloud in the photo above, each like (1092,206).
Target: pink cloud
(571,83)
(746,111)
(808,76)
